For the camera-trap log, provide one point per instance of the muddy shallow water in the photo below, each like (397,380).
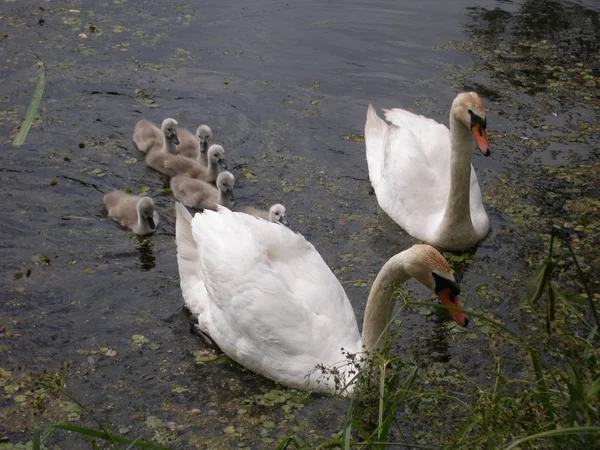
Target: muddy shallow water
(285,89)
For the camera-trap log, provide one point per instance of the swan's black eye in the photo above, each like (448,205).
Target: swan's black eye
(477,120)
(442,283)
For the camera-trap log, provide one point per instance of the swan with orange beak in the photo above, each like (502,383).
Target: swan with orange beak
(422,174)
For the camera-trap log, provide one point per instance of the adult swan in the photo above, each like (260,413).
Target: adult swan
(265,296)
(422,174)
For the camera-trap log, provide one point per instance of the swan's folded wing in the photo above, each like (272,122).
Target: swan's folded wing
(188,262)
(272,297)
(434,137)
(410,190)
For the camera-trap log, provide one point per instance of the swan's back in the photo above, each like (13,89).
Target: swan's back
(274,305)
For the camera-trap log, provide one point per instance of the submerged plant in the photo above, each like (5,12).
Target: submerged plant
(43,432)
(555,403)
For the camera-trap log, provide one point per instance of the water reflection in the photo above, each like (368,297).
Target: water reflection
(545,44)
(146,249)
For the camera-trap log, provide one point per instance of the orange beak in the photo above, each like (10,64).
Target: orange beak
(481,138)
(448,299)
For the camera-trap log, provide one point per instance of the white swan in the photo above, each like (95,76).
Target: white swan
(202,195)
(269,301)
(132,211)
(422,175)
(276,213)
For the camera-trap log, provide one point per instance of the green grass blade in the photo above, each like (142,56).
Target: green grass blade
(542,386)
(84,431)
(33,107)
(554,433)
(469,312)
(535,287)
(36,444)
(285,443)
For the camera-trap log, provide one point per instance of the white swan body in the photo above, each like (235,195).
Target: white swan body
(132,211)
(269,301)
(422,174)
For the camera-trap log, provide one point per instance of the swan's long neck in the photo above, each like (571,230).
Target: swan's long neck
(380,304)
(224,199)
(169,146)
(457,215)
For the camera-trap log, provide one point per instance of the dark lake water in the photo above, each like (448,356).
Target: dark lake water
(285,88)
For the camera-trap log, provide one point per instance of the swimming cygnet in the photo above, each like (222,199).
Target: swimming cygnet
(216,159)
(275,214)
(165,161)
(201,195)
(148,136)
(195,146)
(132,211)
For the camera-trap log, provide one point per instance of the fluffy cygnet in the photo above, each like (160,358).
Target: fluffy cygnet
(202,195)
(275,214)
(132,211)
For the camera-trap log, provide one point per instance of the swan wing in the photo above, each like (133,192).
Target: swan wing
(479,218)
(408,188)
(433,137)
(274,305)
(376,131)
(192,284)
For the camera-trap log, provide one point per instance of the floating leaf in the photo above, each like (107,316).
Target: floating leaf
(40,258)
(110,353)
(130,161)
(20,398)
(154,346)
(139,339)
(180,389)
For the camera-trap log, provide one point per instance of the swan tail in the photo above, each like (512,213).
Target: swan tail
(376,131)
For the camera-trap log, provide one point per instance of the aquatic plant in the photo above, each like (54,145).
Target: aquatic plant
(555,403)
(42,433)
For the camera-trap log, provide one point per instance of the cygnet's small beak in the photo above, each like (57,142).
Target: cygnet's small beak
(449,299)
(284,220)
(481,138)
(223,163)
(175,139)
(203,146)
(151,223)
(230,195)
